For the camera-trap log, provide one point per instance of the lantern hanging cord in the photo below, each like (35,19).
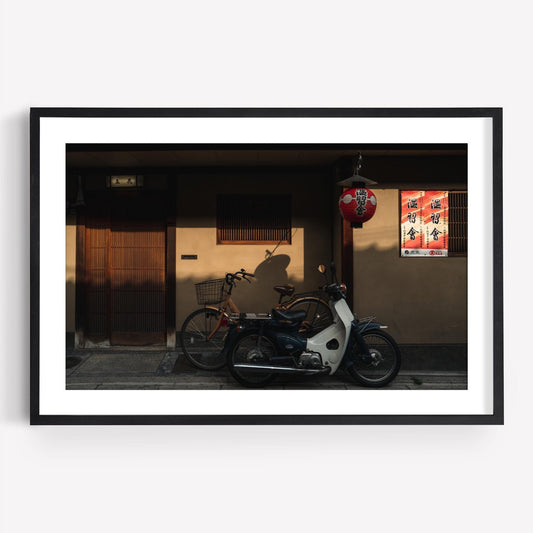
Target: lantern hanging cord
(358,163)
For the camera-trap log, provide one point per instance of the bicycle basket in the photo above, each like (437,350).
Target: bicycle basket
(210,292)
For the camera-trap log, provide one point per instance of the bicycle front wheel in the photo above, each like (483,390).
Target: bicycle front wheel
(318,315)
(201,352)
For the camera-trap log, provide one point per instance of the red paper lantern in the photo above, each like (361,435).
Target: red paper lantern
(357,205)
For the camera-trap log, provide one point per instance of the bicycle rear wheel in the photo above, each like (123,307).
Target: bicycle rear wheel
(318,315)
(201,352)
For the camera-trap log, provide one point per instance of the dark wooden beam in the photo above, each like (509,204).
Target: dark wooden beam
(171,266)
(81,280)
(171,283)
(347,260)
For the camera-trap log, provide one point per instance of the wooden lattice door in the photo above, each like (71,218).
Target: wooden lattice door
(126,270)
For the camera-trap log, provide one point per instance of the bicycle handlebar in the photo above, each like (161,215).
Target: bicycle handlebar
(241,274)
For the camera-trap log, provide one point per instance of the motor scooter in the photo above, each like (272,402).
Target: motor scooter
(259,348)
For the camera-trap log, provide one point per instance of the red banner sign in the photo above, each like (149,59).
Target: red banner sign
(424,223)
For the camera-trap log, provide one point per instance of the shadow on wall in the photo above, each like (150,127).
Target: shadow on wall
(70,305)
(257,296)
(272,271)
(423,300)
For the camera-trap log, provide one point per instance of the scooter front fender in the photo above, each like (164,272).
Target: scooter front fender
(363,326)
(357,339)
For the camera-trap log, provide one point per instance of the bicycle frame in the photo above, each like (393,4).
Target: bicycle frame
(228,302)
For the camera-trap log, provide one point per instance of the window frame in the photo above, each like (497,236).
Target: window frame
(456,253)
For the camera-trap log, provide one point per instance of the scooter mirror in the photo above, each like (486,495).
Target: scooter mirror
(322,269)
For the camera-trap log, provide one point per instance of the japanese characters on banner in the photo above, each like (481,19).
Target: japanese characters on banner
(424,223)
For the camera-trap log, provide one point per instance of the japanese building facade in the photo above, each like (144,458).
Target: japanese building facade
(134,252)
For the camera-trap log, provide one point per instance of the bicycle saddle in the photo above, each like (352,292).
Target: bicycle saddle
(288,317)
(285,290)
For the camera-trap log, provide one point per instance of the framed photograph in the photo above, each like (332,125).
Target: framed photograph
(266,266)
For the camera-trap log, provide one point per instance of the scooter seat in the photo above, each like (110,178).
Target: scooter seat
(288,317)
(285,290)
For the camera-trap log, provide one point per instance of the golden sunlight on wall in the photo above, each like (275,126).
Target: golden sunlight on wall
(70,273)
(422,299)
(215,260)
(272,264)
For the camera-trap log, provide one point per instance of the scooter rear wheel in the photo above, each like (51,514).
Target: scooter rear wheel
(250,348)
(385,362)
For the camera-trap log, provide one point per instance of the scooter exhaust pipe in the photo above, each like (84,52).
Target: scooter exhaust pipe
(263,369)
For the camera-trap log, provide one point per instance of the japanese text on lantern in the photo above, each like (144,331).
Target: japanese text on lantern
(424,223)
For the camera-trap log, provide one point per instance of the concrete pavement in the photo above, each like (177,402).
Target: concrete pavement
(161,369)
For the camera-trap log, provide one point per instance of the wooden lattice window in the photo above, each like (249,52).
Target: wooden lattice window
(458,222)
(254,219)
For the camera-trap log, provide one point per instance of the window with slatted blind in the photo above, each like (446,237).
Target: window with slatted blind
(457,222)
(254,219)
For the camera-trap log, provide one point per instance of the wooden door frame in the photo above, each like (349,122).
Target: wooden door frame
(171,261)
(80,281)
(347,260)
(170,276)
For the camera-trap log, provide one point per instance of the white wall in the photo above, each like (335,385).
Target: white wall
(237,53)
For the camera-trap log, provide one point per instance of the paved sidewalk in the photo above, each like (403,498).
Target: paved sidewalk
(149,369)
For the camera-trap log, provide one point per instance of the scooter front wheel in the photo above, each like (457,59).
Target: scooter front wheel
(383,365)
(251,348)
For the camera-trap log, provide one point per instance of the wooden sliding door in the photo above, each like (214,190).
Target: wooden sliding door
(126,269)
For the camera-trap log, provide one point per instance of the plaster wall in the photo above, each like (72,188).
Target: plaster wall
(422,299)
(70,272)
(272,264)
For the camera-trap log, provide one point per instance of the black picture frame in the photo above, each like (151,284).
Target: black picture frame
(37,417)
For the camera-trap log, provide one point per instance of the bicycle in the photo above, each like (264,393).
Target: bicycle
(204,330)
(318,315)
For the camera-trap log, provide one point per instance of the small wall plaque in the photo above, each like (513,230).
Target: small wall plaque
(124,181)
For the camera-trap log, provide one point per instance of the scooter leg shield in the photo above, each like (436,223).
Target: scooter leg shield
(356,339)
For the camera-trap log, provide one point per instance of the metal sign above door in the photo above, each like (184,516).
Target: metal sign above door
(125,181)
